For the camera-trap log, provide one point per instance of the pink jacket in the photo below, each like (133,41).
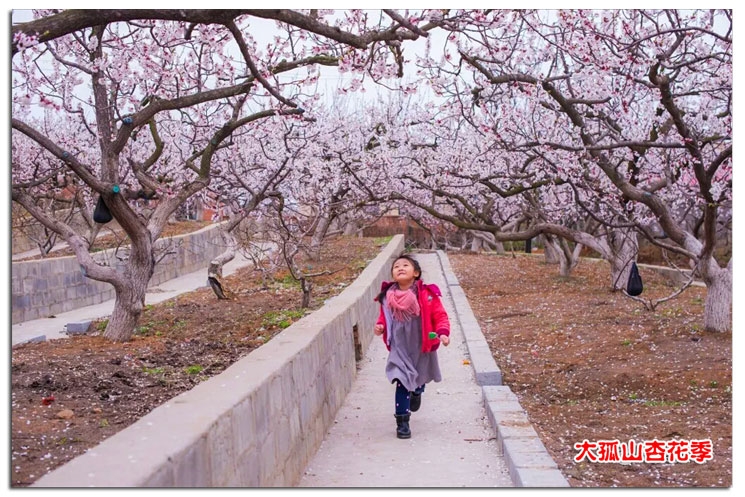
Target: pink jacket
(433,315)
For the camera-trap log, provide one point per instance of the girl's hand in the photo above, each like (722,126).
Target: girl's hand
(445,340)
(378,330)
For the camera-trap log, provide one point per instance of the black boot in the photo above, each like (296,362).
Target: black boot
(402,426)
(416,401)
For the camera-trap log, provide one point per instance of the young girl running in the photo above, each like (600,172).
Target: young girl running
(413,323)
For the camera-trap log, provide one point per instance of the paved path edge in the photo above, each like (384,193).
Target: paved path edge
(528,461)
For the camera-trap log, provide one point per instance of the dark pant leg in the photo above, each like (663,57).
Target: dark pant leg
(402,399)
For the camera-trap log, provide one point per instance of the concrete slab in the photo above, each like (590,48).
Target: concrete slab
(34,339)
(540,478)
(78,327)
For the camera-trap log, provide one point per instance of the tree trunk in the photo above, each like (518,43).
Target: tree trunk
(623,248)
(215,267)
(128,307)
(565,269)
(487,241)
(306,286)
(568,258)
(351,227)
(476,244)
(551,250)
(214,270)
(318,235)
(130,294)
(718,306)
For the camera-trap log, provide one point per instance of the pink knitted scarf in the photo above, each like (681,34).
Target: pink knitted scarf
(403,303)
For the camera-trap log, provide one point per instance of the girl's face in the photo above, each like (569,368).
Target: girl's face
(404,272)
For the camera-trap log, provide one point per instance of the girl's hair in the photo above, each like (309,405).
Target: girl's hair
(413,262)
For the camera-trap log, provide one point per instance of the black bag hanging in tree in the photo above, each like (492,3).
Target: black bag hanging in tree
(634,286)
(101,213)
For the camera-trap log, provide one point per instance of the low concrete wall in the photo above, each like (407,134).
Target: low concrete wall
(45,287)
(672,275)
(256,424)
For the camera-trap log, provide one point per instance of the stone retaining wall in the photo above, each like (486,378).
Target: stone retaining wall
(672,275)
(51,286)
(258,423)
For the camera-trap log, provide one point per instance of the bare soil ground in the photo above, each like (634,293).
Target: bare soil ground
(587,363)
(68,395)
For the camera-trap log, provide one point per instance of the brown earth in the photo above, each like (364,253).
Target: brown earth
(585,363)
(589,364)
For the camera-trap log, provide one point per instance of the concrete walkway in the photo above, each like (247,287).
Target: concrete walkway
(54,328)
(452,442)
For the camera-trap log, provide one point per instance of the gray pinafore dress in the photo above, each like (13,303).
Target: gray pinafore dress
(406,361)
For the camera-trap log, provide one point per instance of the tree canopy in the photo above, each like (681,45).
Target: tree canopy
(591,127)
